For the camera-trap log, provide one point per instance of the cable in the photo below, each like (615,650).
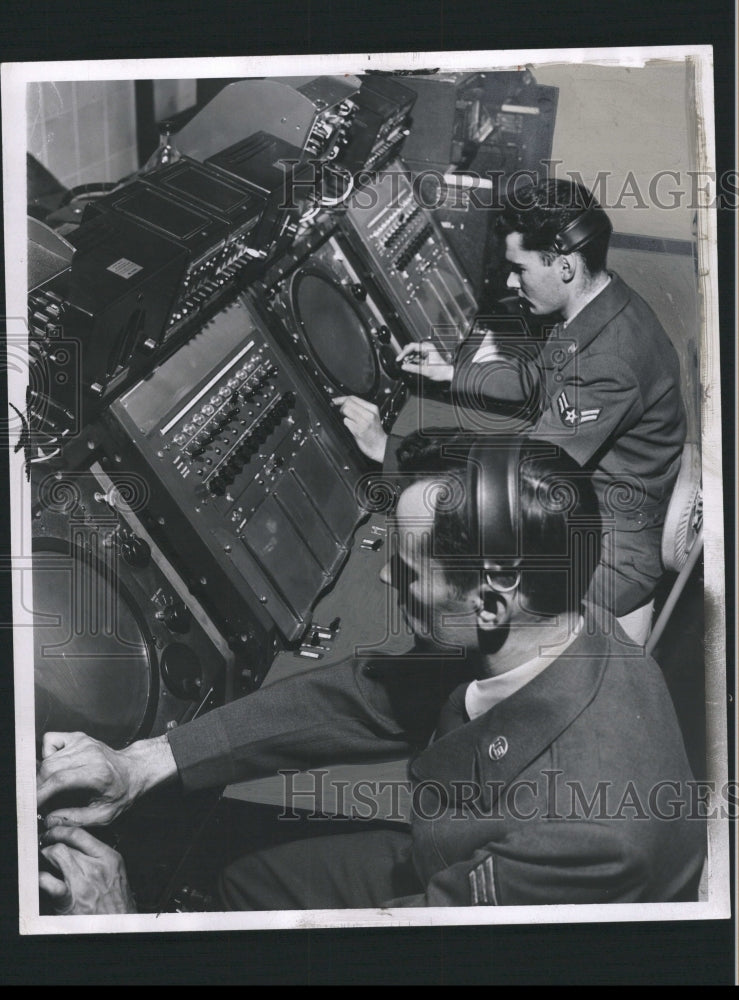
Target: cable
(310,214)
(45,458)
(332,202)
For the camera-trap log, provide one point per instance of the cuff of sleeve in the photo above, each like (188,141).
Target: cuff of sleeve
(201,753)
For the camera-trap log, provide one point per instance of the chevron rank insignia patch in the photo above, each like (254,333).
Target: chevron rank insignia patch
(571,416)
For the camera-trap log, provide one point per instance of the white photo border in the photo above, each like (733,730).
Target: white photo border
(15,78)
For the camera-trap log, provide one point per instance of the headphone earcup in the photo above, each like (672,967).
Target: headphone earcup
(589,224)
(493,500)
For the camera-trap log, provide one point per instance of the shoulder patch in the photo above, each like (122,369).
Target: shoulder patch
(571,416)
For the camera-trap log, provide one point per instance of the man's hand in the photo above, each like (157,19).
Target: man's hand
(92,876)
(424,358)
(363,420)
(73,762)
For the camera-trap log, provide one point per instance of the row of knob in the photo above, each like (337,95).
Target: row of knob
(243,386)
(400,230)
(201,441)
(382,148)
(195,299)
(395,217)
(250,445)
(254,383)
(403,259)
(229,255)
(205,291)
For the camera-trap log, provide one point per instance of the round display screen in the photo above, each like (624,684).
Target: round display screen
(336,334)
(93,666)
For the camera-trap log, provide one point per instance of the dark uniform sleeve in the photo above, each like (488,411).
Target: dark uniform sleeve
(352,711)
(509,381)
(596,402)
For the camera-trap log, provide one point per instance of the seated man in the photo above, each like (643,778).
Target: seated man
(546,769)
(604,386)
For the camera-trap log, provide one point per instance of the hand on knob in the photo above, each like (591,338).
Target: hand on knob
(362,419)
(424,358)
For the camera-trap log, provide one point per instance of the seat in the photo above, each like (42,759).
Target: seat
(682,536)
(682,541)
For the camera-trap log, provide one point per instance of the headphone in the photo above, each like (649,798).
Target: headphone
(493,503)
(496,526)
(592,222)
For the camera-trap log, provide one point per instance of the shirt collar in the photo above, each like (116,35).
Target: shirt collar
(482,695)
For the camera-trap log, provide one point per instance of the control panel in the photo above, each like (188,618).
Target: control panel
(387,223)
(250,488)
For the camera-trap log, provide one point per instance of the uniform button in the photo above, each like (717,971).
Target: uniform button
(558,377)
(498,748)
(558,356)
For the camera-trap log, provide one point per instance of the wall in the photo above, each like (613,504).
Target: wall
(172,96)
(627,120)
(83,131)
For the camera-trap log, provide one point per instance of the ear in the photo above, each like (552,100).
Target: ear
(497,599)
(568,266)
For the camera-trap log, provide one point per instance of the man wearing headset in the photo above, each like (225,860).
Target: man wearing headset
(604,385)
(546,769)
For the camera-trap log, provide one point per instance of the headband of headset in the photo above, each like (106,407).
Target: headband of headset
(493,502)
(589,224)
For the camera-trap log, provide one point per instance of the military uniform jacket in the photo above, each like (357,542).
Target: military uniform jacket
(605,388)
(575,789)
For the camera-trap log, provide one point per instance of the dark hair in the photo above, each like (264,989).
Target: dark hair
(539,213)
(560,526)
(558,522)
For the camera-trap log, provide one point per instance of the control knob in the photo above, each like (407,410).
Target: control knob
(135,550)
(175,616)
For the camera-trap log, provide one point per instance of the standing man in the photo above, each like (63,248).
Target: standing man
(604,386)
(545,768)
